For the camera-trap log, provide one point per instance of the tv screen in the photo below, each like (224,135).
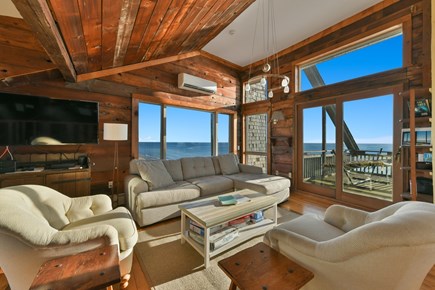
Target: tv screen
(30,120)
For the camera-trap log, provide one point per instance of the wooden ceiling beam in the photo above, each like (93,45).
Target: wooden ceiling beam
(37,14)
(127,19)
(111,71)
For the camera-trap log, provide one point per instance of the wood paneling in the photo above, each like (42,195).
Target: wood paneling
(95,36)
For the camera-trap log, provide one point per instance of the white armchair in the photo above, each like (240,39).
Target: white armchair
(392,248)
(38,223)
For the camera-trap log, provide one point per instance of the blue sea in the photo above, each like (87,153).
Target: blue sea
(176,150)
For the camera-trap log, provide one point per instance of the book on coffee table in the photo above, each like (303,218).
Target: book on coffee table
(232,199)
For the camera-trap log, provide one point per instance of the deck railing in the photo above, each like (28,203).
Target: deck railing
(321,163)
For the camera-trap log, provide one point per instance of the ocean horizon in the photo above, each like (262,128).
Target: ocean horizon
(176,150)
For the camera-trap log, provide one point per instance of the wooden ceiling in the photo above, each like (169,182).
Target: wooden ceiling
(89,38)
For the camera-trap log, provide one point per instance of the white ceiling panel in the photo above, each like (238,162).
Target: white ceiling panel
(295,20)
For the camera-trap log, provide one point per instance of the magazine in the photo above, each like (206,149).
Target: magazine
(232,199)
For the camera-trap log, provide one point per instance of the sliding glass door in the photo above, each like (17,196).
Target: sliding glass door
(368,147)
(318,149)
(345,147)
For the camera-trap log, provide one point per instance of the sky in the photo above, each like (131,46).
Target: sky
(182,125)
(370,120)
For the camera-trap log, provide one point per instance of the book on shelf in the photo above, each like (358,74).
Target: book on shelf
(232,199)
(240,222)
(197,228)
(422,107)
(257,217)
(218,239)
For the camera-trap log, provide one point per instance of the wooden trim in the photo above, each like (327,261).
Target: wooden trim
(134,128)
(35,76)
(174,100)
(233,133)
(357,39)
(121,69)
(221,61)
(38,15)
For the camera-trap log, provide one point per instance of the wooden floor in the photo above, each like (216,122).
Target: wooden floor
(300,203)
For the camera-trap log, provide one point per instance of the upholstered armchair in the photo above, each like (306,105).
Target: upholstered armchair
(392,248)
(38,223)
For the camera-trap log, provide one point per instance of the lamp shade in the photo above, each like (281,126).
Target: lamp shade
(115,132)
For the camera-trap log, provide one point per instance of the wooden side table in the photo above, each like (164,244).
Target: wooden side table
(95,269)
(261,267)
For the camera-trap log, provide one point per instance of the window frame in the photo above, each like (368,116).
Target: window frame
(139,98)
(403,23)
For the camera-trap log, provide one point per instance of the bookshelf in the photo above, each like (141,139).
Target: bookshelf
(416,147)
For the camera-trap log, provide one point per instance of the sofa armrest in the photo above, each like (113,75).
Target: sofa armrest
(345,218)
(135,184)
(245,168)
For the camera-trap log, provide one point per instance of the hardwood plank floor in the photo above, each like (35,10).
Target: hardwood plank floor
(300,203)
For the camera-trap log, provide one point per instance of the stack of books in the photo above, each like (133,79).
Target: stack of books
(241,222)
(219,235)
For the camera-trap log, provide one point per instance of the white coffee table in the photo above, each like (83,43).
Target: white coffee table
(209,213)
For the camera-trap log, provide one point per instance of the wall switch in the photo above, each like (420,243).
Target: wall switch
(289,175)
(110,184)
(276,172)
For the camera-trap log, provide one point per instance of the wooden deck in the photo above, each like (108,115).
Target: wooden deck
(380,187)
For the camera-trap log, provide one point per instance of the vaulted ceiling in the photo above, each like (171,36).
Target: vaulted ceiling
(89,39)
(84,37)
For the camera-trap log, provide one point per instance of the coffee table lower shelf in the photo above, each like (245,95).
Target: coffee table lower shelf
(246,233)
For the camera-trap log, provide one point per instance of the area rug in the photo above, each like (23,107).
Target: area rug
(168,264)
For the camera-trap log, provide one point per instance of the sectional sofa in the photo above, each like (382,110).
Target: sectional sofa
(156,188)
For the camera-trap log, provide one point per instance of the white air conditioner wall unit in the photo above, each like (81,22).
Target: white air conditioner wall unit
(196,84)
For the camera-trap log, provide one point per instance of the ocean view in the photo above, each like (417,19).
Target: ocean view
(176,150)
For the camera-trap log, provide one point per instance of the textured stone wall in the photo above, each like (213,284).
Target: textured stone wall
(256,139)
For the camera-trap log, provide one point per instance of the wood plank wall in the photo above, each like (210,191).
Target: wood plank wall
(114,94)
(415,72)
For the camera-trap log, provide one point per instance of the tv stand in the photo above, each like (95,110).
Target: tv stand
(71,182)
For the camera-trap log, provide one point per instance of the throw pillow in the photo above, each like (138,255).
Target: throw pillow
(155,174)
(228,163)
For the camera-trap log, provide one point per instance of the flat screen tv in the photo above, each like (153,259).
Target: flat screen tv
(31,120)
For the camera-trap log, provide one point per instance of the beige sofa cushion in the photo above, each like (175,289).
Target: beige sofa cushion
(217,167)
(267,184)
(174,169)
(120,218)
(194,167)
(210,185)
(176,193)
(228,164)
(155,174)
